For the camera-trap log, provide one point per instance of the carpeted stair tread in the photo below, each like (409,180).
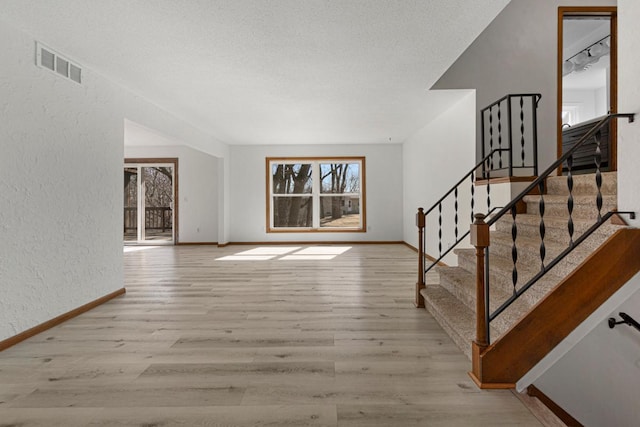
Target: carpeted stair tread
(528,250)
(582,184)
(584,207)
(456,319)
(462,285)
(556,227)
(500,275)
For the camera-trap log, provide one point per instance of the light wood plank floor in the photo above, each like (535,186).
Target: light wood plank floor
(252,336)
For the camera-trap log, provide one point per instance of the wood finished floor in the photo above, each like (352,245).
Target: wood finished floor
(253,336)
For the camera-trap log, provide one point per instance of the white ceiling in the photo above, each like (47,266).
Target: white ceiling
(269,71)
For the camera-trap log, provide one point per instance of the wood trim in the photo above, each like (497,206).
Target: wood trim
(58,320)
(427,256)
(505,180)
(363,195)
(550,321)
(176,195)
(317,230)
(490,386)
(564,416)
(613,92)
(559,62)
(611,11)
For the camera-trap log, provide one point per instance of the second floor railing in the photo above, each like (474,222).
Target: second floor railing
(510,124)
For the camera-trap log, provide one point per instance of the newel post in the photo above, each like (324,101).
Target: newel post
(480,239)
(420,223)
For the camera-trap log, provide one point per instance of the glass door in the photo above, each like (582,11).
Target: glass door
(149,204)
(131,204)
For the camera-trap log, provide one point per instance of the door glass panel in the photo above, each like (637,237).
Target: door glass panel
(158,203)
(130,204)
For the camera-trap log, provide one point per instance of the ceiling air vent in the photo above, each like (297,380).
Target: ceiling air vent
(53,61)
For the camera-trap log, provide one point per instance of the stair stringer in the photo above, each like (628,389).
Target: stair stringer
(538,332)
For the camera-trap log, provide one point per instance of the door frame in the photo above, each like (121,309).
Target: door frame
(167,160)
(612,12)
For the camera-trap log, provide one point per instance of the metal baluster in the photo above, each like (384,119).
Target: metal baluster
(570,199)
(522,129)
(440,228)
(473,191)
(455,207)
(543,249)
(490,161)
(490,137)
(598,161)
(514,248)
(499,137)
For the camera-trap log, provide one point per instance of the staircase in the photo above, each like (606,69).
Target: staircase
(452,300)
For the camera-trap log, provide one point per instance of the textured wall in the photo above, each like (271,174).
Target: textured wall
(434,159)
(61,157)
(60,189)
(629,102)
(383,186)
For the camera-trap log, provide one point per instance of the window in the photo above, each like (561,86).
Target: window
(315,194)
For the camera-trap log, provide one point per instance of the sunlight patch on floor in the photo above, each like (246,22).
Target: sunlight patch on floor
(288,253)
(137,248)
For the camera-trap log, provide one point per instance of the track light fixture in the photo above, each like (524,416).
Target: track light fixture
(590,55)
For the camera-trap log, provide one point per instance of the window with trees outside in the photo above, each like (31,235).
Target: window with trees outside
(316,194)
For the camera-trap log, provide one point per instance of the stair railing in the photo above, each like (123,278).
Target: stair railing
(480,233)
(497,151)
(426,262)
(497,132)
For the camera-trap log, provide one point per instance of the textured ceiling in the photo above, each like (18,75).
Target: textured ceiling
(269,71)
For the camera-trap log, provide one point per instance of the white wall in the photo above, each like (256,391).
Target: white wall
(434,159)
(583,100)
(60,186)
(629,102)
(521,41)
(197,190)
(383,191)
(61,157)
(598,380)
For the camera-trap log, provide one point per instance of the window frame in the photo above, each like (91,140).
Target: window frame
(315,194)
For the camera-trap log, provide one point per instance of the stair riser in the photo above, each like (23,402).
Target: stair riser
(554,232)
(530,255)
(580,211)
(583,184)
(467,295)
(501,279)
(462,342)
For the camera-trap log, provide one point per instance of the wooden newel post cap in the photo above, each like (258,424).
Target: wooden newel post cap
(479,218)
(479,233)
(420,218)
